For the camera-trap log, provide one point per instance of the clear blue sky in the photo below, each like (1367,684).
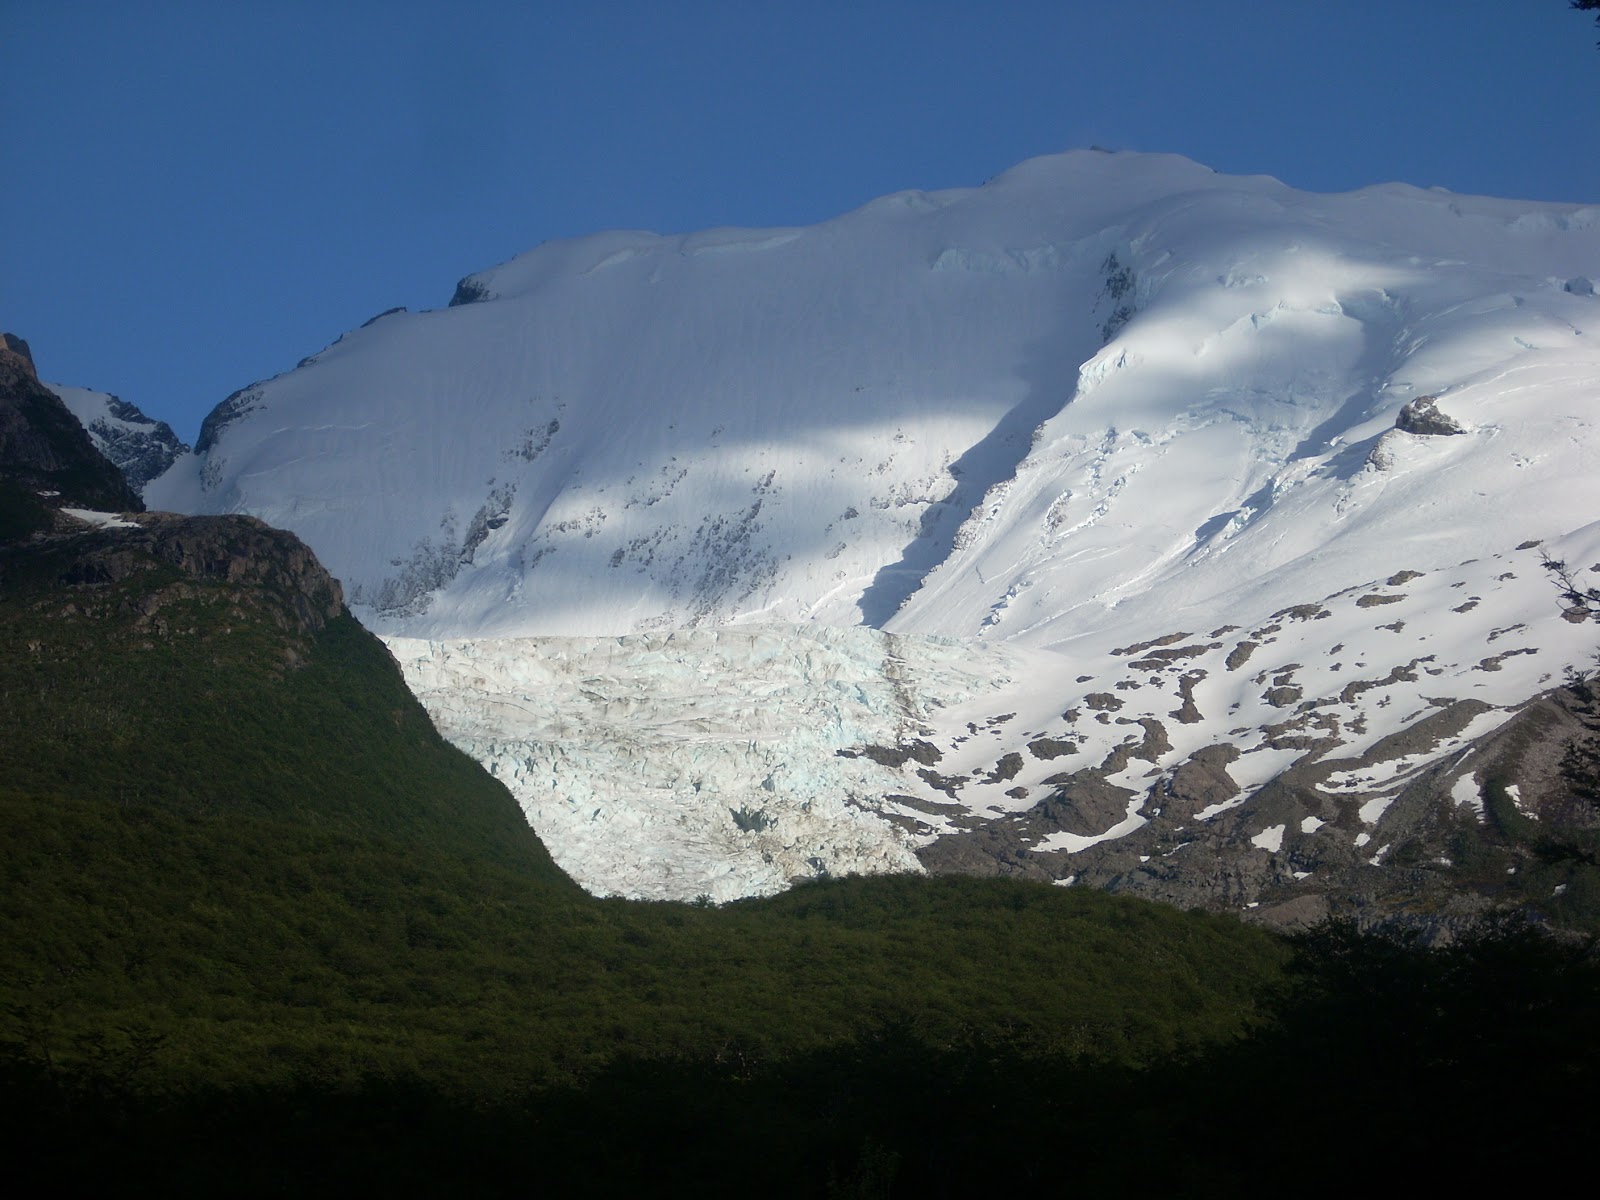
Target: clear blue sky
(200,194)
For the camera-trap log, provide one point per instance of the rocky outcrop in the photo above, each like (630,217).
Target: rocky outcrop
(1422,416)
(239,404)
(1202,781)
(1084,806)
(272,571)
(469,291)
(17,346)
(1494,825)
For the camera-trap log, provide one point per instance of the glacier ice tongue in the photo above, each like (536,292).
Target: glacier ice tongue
(704,762)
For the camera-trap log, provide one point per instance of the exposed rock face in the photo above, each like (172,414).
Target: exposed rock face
(1480,829)
(16,345)
(1422,416)
(43,448)
(469,291)
(1084,808)
(388,312)
(1203,780)
(238,550)
(241,403)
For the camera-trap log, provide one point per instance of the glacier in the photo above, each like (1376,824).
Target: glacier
(704,762)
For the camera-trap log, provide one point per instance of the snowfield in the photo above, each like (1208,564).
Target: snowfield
(1100,465)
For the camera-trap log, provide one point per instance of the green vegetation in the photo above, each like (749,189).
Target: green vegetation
(21,512)
(1546,869)
(263,932)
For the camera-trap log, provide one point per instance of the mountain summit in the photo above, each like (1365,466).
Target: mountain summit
(1098,387)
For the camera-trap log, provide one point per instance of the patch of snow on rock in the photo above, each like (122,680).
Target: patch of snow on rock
(1465,792)
(1270,838)
(104,520)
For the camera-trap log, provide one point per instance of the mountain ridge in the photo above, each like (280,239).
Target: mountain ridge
(738,273)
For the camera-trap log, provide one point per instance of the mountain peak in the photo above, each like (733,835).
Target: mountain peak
(11,344)
(141,448)
(1103,399)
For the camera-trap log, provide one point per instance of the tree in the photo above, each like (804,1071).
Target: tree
(1580,602)
(1588,6)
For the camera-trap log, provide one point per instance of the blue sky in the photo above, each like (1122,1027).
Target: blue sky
(201,194)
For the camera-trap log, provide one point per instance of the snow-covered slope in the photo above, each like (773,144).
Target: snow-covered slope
(1096,378)
(1101,400)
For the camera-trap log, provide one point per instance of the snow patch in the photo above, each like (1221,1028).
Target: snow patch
(1270,838)
(1372,811)
(1466,792)
(104,520)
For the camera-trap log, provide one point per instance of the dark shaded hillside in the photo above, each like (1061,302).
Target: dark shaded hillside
(219,795)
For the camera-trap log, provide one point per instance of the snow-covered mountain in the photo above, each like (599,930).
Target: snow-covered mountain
(141,446)
(1180,464)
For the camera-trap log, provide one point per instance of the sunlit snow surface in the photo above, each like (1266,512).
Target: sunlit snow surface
(102,520)
(1101,400)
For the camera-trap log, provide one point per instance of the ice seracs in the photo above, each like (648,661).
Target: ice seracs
(708,762)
